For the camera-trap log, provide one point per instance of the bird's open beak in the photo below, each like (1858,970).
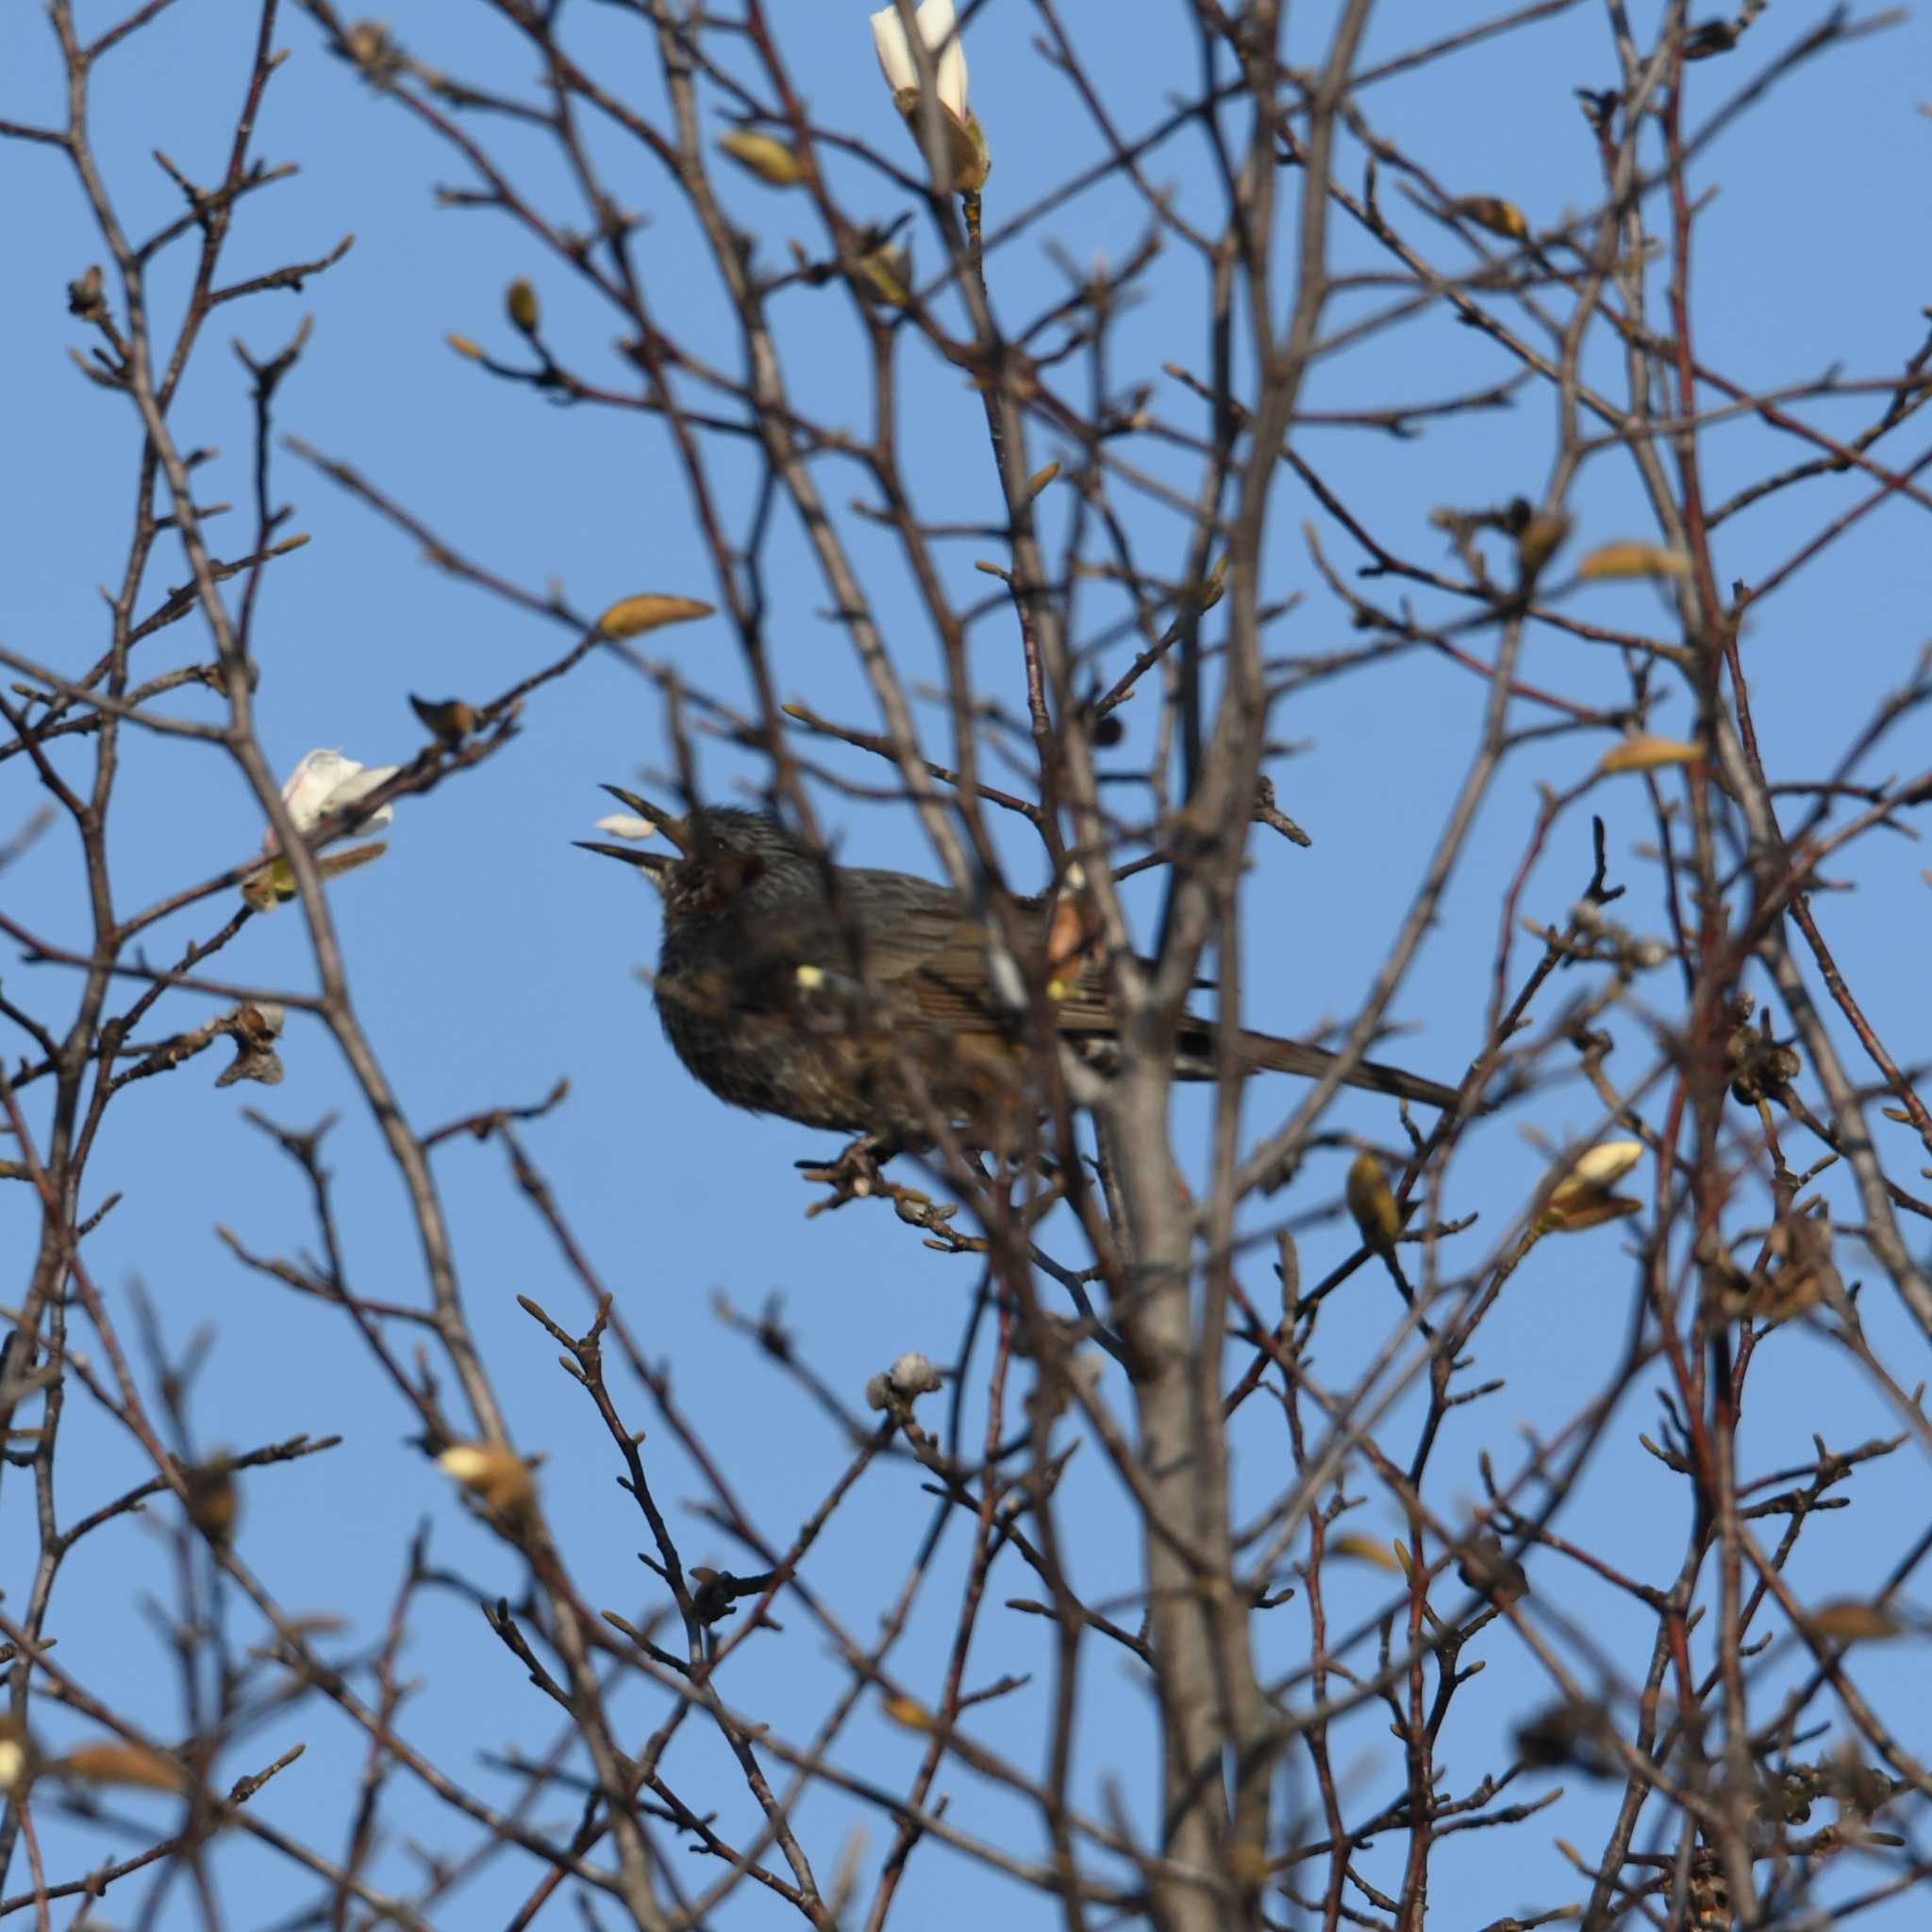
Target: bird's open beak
(669,823)
(654,865)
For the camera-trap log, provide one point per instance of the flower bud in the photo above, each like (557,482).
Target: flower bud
(449,720)
(966,150)
(884,273)
(631,617)
(1583,1199)
(498,1477)
(768,158)
(914,1375)
(1372,1204)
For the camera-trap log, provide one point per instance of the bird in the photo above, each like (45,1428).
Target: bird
(857,999)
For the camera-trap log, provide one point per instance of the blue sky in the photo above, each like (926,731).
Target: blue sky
(488,958)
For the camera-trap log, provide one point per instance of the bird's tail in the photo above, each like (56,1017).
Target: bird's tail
(1263,1053)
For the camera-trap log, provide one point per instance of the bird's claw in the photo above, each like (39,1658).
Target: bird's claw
(852,1175)
(855,1175)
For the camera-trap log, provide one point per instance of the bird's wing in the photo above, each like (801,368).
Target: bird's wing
(926,952)
(928,955)
(925,956)
(933,959)
(935,955)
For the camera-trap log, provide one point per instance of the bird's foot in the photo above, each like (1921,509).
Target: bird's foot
(852,1175)
(855,1175)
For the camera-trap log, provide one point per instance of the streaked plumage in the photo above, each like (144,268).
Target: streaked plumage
(762,988)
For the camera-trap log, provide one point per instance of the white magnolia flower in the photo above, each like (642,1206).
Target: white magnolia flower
(1605,1166)
(939,30)
(1582,1199)
(324,782)
(626,824)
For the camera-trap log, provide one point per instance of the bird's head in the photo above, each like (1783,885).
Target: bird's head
(719,852)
